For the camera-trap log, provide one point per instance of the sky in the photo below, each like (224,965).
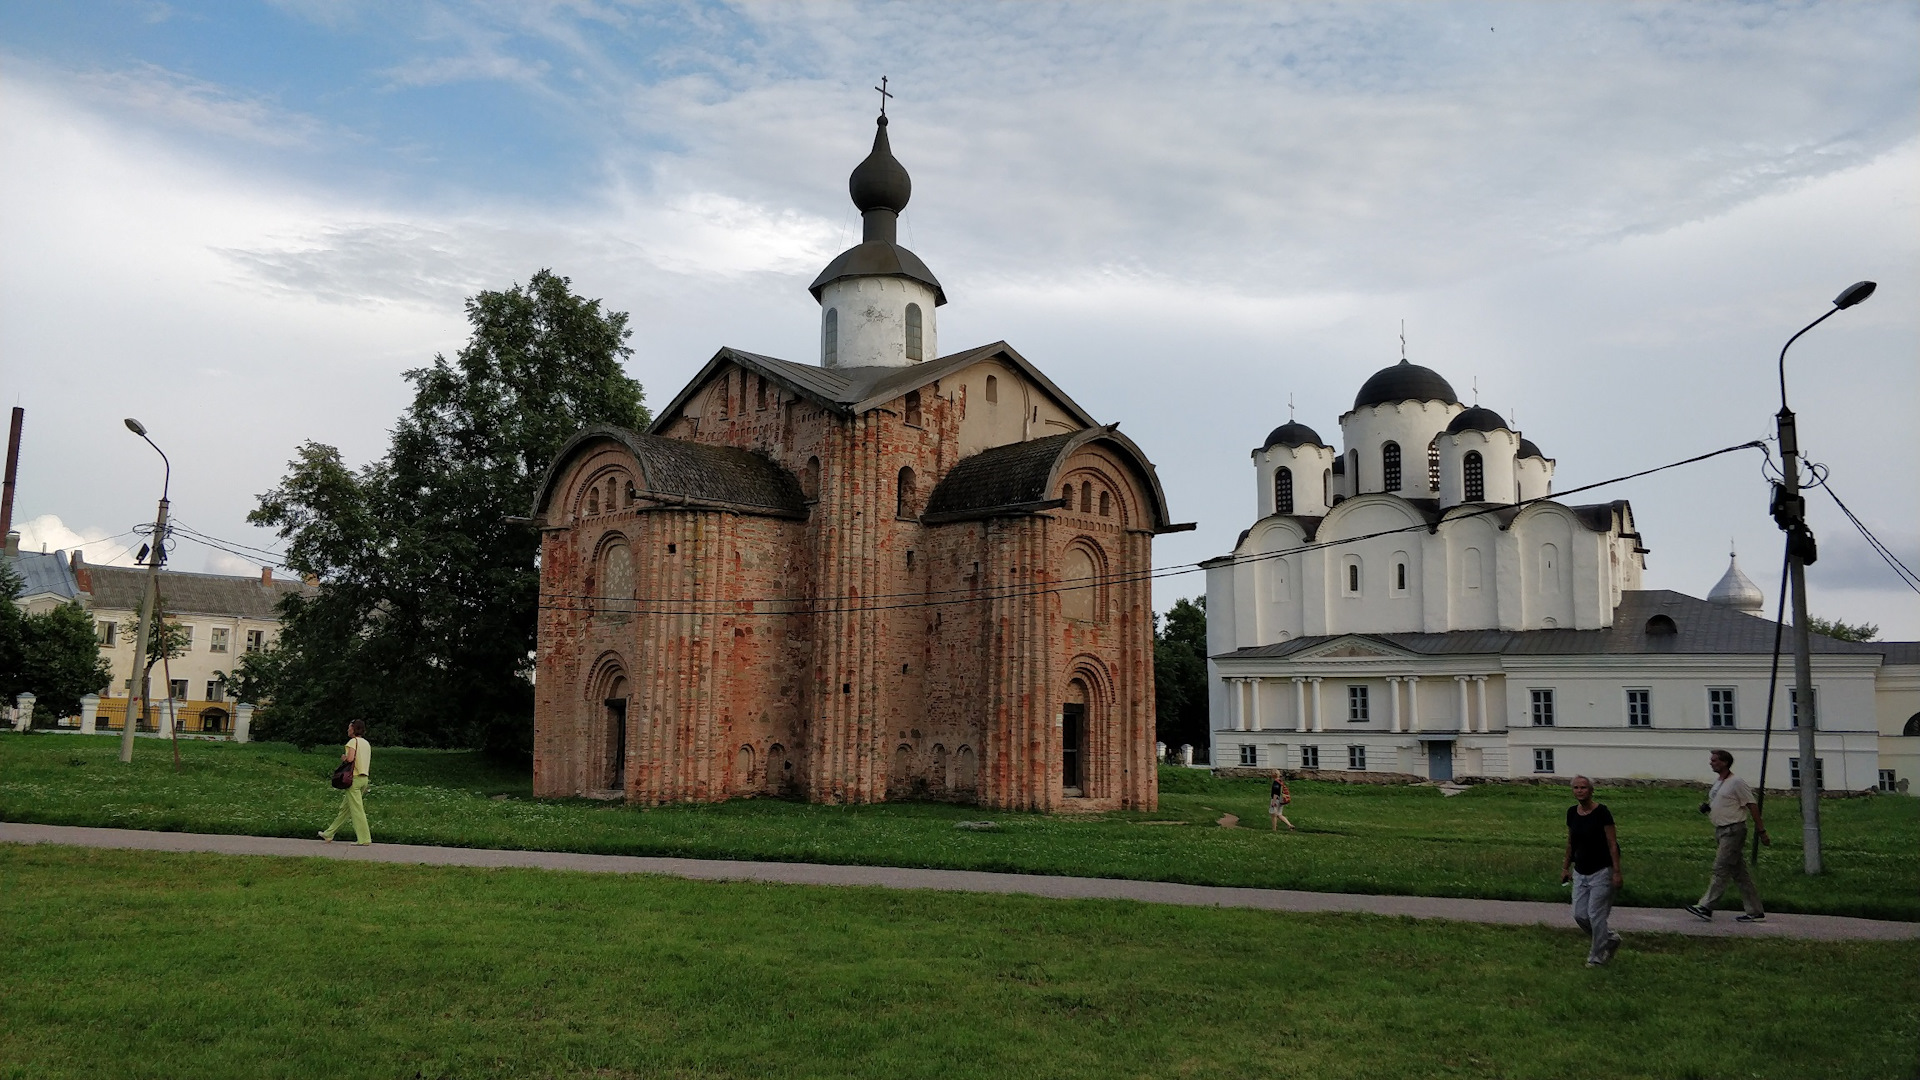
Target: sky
(243,223)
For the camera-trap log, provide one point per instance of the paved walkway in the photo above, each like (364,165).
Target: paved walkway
(1509,912)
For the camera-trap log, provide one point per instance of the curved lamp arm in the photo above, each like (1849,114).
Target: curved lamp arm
(1854,293)
(166,482)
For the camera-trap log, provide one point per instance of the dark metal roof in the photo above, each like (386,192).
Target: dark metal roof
(1404,382)
(1701,628)
(43,574)
(856,390)
(121,588)
(1292,433)
(699,474)
(1527,449)
(1020,478)
(878,258)
(1477,419)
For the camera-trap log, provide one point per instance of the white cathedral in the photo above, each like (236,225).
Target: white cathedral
(1418,604)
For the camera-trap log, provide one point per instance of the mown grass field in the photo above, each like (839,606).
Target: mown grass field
(140,964)
(1493,841)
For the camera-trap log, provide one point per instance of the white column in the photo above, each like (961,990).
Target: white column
(1393,692)
(1480,690)
(1253,691)
(1299,703)
(1413,703)
(166,714)
(89,712)
(1318,721)
(23,710)
(1466,721)
(1233,704)
(243,724)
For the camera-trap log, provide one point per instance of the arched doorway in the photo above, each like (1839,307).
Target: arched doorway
(213,721)
(611,740)
(1073,740)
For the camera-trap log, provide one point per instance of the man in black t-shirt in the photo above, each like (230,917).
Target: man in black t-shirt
(1592,863)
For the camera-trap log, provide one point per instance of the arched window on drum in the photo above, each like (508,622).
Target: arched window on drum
(1283,490)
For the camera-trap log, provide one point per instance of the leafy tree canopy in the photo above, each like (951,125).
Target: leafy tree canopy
(1835,628)
(424,621)
(53,655)
(1180,674)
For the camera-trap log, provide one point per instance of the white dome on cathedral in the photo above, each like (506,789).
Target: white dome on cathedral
(1737,591)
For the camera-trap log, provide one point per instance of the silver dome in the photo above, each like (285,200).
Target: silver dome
(1737,591)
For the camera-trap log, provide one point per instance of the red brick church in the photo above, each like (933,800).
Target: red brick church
(888,574)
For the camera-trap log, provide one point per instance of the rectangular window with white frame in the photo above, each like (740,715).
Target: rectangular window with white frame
(1819,773)
(215,691)
(186,637)
(1249,754)
(1639,708)
(1357,711)
(1720,707)
(1542,708)
(1309,757)
(217,639)
(108,631)
(178,688)
(256,640)
(1793,700)
(1543,761)
(1888,781)
(1357,758)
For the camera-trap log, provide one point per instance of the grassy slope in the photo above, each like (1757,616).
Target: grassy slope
(1493,841)
(143,964)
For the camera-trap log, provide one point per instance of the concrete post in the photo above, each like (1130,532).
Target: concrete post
(243,721)
(1186,753)
(89,713)
(165,721)
(23,711)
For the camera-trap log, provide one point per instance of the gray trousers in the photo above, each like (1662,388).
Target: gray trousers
(1592,903)
(1730,864)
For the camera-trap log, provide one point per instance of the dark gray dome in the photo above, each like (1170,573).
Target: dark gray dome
(1292,433)
(1404,382)
(880,182)
(1477,419)
(1527,449)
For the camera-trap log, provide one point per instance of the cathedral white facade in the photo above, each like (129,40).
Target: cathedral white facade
(1417,603)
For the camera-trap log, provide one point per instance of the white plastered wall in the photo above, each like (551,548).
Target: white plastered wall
(872,321)
(1412,424)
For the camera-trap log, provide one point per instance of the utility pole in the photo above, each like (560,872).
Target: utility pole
(1790,513)
(155,551)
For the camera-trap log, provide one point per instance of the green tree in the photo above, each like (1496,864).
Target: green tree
(424,621)
(1180,674)
(53,655)
(1835,628)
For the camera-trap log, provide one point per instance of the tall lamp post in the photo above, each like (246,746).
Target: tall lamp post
(1790,513)
(154,551)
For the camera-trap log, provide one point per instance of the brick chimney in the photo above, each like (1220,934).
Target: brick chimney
(13,545)
(266,576)
(82,573)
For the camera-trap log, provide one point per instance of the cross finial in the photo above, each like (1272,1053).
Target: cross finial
(1403,339)
(1289,407)
(1476,390)
(884,95)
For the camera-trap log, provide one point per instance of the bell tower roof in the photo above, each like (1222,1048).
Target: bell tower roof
(880,189)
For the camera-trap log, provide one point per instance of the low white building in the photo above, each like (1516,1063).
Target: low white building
(1417,604)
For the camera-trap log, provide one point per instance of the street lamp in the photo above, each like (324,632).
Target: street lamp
(1790,513)
(155,549)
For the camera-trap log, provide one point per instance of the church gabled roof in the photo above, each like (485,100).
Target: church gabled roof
(852,391)
(1021,477)
(700,474)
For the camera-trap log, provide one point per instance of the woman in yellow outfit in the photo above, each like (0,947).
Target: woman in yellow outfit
(353,805)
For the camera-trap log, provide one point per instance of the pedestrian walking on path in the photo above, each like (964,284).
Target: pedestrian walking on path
(1277,799)
(1592,863)
(1729,803)
(353,803)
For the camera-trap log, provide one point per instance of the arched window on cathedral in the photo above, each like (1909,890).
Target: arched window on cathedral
(1353,471)
(1066,497)
(810,479)
(1475,471)
(1433,464)
(1390,466)
(993,389)
(616,580)
(1080,585)
(760,392)
(1086,497)
(632,494)
(913,408)
(830,338)
(1283,491)
(915,350)
(903,493)
(1326,487)
(593,499)
(1106,504)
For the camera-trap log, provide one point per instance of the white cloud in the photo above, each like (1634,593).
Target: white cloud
(98,546)
(175,100)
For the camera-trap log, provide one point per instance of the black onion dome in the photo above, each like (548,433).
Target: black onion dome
(1404,382)
(1292,433)
(1477,419)
(1527,449)
(880,182)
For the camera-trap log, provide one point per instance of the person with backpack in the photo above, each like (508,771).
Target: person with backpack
(1277,799)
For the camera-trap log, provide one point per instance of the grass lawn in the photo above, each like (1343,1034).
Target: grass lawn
(1493,841)
(158,965)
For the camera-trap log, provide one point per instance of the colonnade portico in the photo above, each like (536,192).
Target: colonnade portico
(1309,712)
